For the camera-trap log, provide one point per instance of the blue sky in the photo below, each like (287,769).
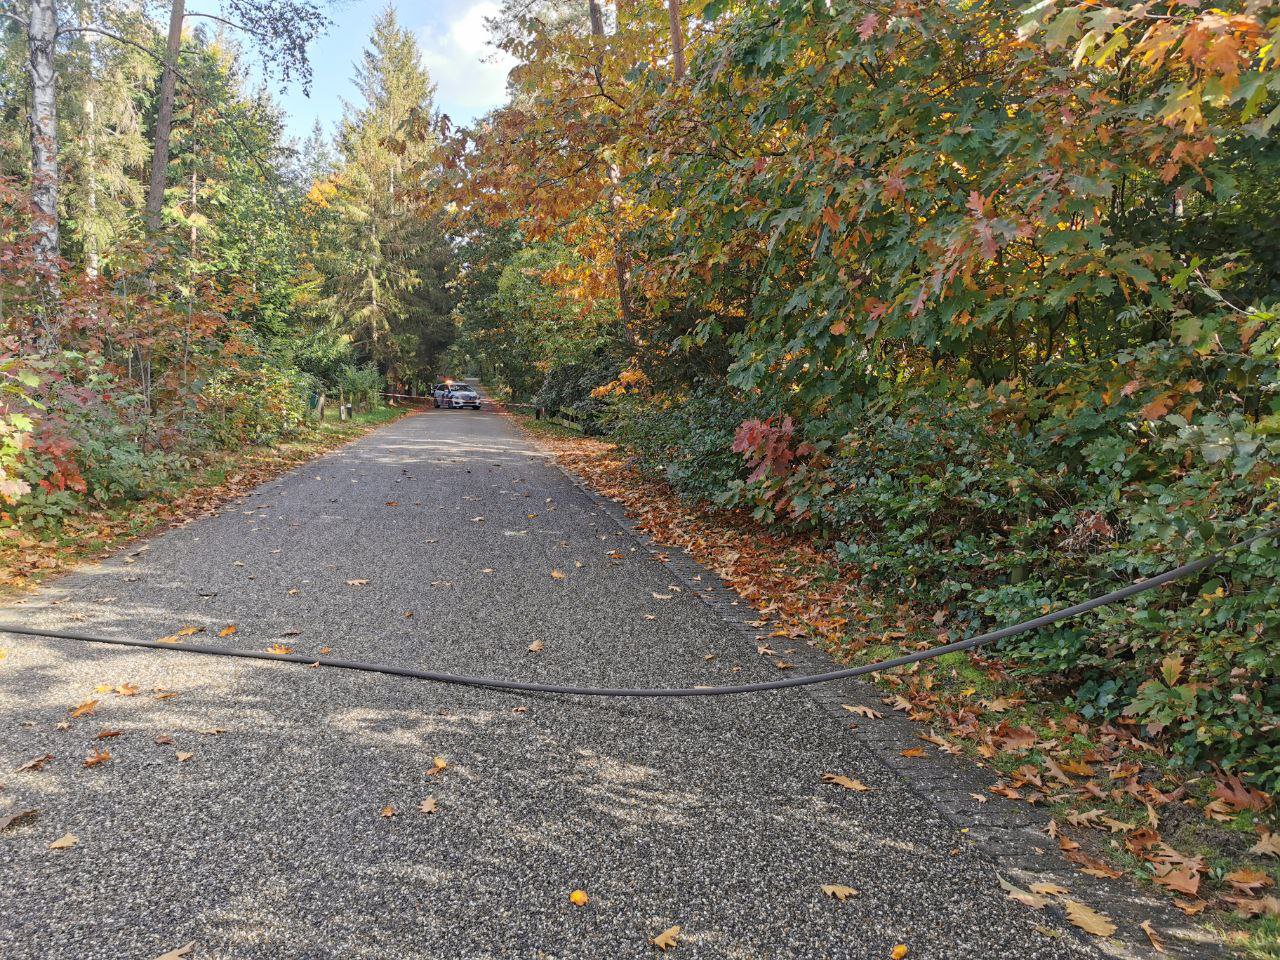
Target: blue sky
(453,39)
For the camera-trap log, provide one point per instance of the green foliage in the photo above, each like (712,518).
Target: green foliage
(385,263)
(18,383)
(1001,504)
(521,333)
(272,276)
(256,405)
(573,387)
(687,439)
(360,384)
(84,448)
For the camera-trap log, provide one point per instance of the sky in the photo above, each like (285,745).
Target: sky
(455,49)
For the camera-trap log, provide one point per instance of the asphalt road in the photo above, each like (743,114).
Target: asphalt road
(269,839)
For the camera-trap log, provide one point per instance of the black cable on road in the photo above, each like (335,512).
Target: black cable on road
(1177,573)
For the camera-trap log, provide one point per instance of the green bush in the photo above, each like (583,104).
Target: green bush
(255,405)
(90,442)
(687,440)
(1000,504)
(361,385)
(570,386)
(18,383)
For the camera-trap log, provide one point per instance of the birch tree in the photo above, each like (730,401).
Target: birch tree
(42,39)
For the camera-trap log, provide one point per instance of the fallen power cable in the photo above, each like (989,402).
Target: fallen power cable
(1115,596)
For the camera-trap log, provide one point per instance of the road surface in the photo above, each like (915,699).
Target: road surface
(279,815)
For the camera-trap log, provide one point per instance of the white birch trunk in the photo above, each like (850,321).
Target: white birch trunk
(42,38)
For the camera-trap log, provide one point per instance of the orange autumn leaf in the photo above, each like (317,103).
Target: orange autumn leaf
(668,939)
(97,757)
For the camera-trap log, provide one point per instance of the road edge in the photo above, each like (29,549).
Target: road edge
(1012,837)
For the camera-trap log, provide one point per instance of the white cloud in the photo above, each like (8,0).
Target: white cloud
(469,72)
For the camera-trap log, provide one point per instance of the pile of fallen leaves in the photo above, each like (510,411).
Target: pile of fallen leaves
(1118,806)
(30,556)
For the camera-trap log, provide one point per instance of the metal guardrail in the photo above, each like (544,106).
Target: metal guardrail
(405,396)
(560,415)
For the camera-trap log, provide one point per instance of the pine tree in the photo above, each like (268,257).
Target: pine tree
(388,263)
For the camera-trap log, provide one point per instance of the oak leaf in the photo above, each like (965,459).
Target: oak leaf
(1049,889)
(862,711)
(1261,906)
(667,939)
(1248,880)
(847,782)
(97,757)
(1184,880)
(1088,919)
(1078,767)
(1024,897)
(840,892)
(1268,845)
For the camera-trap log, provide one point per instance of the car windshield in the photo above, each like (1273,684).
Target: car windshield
(460,387)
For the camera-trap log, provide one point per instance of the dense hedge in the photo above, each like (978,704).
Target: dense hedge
(574,387)
(999,505)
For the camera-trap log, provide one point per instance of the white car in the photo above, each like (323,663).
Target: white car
(460,396)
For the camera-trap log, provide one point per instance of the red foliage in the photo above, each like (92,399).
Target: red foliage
(766,445)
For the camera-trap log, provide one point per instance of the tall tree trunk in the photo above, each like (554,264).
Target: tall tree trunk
(42,37)
(677,39)
(91,252)
(597,19)
(164,117)
(193,191)
(91,190)
(620,259)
